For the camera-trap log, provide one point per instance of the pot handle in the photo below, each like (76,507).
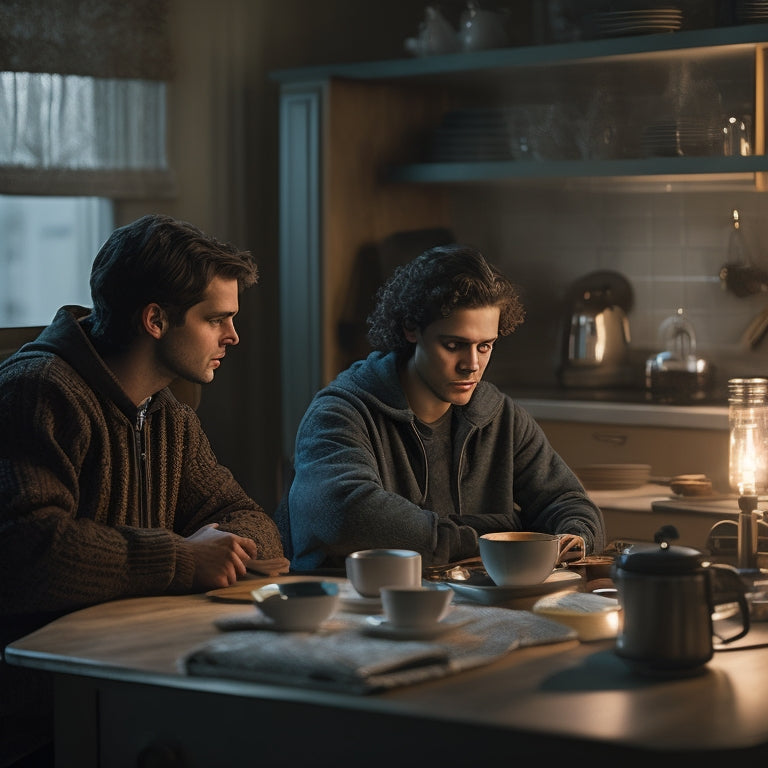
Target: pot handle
(728,587)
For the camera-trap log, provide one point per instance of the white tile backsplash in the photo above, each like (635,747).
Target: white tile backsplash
(669,245)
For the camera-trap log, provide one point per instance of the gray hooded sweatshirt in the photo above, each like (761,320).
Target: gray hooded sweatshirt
(361,478)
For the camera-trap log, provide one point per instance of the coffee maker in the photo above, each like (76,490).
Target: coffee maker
(596,337)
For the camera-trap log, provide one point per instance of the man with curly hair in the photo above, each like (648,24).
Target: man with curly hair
(410,449)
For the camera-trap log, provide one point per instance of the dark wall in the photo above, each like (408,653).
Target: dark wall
(241,409)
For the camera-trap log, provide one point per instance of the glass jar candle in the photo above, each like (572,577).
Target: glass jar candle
(748,462)
(748,423)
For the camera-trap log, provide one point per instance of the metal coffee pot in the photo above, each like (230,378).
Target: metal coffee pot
(674,603)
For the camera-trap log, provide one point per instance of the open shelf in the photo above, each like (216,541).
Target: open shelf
(736,172)
(677,44)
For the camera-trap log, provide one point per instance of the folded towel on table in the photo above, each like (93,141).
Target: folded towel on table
(340,657)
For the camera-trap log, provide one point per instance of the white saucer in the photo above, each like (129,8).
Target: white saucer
(351,600)
(378,626)
(481,589)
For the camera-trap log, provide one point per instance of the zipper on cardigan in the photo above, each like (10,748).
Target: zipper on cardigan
(141,449)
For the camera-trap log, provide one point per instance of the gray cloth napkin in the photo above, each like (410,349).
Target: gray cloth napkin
(341,657)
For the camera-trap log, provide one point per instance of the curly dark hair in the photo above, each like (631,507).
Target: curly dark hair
(431,286)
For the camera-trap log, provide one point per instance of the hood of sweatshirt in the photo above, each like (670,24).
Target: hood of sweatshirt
(376,382)
(67,338)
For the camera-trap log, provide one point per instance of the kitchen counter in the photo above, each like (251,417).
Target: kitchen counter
(673,439)
(647,414)
(636,514)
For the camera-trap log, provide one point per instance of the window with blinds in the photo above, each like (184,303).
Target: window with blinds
(82,124)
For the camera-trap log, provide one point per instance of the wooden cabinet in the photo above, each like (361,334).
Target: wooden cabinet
(336,135)
(356,162)
(669,451)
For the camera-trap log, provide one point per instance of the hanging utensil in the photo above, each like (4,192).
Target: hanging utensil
(756,330)
(743,280)
(738,275)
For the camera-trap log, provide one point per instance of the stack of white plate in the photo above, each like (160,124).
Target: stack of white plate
(613,477)
(638,22)
(672,138)
(748,12)
(473,135)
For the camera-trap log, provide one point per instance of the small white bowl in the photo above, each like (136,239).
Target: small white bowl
(297,606)
(415,607)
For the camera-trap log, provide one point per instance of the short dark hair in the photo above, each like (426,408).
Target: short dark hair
(431,286)
(158,259)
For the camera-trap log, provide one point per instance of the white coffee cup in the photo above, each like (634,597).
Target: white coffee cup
(519,558)
(371,569)
(415,607)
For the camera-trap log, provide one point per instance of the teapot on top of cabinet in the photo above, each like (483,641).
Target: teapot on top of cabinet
(479,29)
(482,29)
(436,35)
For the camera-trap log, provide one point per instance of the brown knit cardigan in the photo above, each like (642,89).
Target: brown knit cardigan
(71,527)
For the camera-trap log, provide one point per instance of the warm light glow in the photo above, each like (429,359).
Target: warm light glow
(748,417)
(743,470)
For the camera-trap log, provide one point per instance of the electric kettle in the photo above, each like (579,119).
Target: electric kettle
(674,601)
(678,374)
(596,338)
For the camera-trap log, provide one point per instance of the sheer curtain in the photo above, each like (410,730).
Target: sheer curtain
(83,98)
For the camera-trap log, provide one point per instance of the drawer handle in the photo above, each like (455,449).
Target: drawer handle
(605,437)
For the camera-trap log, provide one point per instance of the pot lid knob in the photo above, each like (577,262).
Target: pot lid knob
(661,557)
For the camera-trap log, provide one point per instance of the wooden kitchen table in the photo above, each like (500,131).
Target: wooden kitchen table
(122,700)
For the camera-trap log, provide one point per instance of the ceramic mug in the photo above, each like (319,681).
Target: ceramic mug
(415,607)
(519,558)
(371,569)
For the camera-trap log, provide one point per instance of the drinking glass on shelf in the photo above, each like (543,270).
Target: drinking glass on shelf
(737,135)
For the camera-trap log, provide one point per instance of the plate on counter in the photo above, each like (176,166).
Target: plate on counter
(480,588)
(613,477)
